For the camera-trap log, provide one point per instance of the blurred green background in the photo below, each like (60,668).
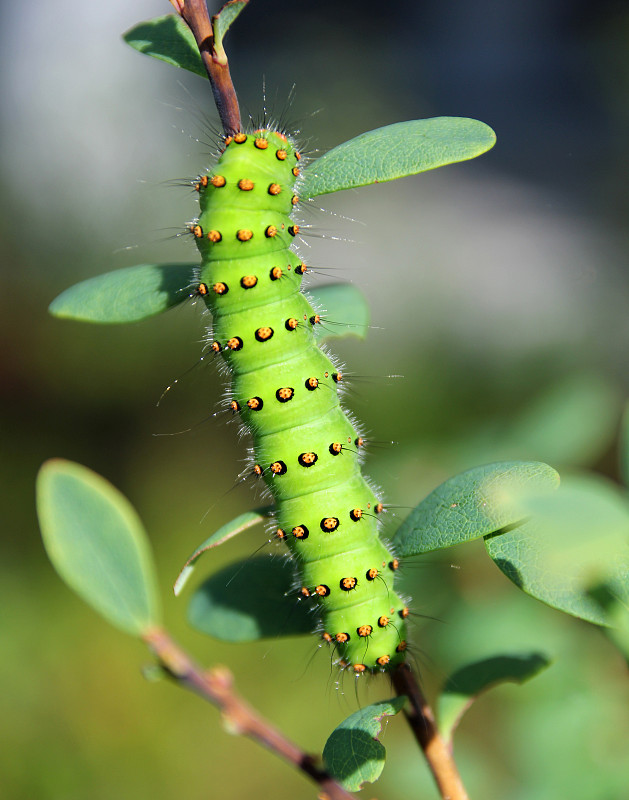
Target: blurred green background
(499,290)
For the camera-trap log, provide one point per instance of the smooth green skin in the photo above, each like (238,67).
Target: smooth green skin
(310,421)
(465,685)
(352,754)
(97,544)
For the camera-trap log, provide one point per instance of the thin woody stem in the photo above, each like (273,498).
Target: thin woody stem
(422,721)
(216,686)
(195,15)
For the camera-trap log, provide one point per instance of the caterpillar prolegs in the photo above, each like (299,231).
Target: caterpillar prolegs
(285,389)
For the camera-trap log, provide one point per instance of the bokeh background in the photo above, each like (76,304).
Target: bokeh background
(499,290)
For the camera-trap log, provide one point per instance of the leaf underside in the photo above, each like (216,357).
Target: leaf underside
(97,544)
(224,19)
(465,685)
(226,532)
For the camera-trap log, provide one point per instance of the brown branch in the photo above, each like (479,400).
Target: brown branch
(195,14)
(216,686)
(422,721)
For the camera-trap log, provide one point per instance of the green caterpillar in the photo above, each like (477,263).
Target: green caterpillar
(285,389)
(283,386)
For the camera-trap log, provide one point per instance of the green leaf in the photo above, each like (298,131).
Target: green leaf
(616,612)
(573,422)
(395,151)
(126,295)
(465,685)
(135,293)
(97,544)
(223,534)
(169,39)
(471,505)
(353,755)
(344,310)
(249,600)
(575,538)
(222,21)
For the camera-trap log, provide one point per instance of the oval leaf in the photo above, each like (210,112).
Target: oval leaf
(250,600)
(465,685)
(576,537)
(169,39)
(353,755)
(223,534)
(126,295)
(97,544)
(344,310)
(471,505)
(395,151)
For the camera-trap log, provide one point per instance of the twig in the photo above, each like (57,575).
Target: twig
(422,721)
(216,686)
(195,15)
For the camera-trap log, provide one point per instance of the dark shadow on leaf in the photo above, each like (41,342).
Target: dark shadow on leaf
(174,281)
(168,39)
(348,752)
(506,529)
(603,596)
(512,572)
(249,600)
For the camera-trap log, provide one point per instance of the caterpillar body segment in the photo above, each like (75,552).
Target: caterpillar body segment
(281,386)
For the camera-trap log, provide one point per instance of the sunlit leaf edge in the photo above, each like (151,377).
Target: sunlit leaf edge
(141,620)
(226,532)
(455,700)
(466,493)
